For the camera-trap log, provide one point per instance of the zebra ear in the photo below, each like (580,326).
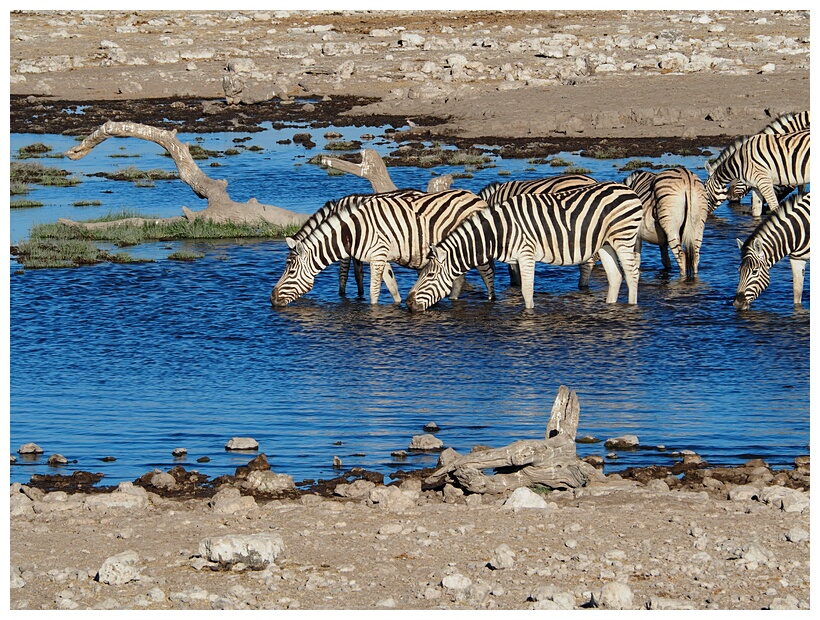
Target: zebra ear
(710,167)
(739,244)
(291,243)
(757,248)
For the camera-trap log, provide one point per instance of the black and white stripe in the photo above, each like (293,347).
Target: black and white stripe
(391,227)
(784,232)
(347,202)
(760,161)
(786,123)
(674,215)
(567,228)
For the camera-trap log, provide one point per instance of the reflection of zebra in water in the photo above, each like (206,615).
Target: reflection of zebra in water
(560,229)
(348,202)
(674,215)
(760,162)
(496,193)
(785,232)
(384,228)
(787,123)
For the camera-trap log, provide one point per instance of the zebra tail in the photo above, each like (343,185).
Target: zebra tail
(691,237)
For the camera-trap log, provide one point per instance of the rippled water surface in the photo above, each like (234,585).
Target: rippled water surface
(133,361)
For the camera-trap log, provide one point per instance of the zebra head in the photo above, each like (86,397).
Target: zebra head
(754,274)
(737,190)
(298,277)
(435,281)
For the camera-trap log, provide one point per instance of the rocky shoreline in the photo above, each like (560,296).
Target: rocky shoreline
(714,538)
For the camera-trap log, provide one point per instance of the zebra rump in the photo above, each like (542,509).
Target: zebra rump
(567,228)
(784,232)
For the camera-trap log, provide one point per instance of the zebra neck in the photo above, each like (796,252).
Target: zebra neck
(771,240)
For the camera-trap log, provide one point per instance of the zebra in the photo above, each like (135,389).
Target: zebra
(386,227)
(760,161)
(674,215)
(495,193)
(784,232)
(786,123)
(566,228)
(346,202)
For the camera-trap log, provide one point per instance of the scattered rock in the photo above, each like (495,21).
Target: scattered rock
(357,488)
(179,452)
(254,550)
(431,427)
(523,497)
(242,443)
(230,500)
(613,595)
(119,569)
(268,482)
(503,557)
(624,442)
(29,448)
(425,443)
(55,460)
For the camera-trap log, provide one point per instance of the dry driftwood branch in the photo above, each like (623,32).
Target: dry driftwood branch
(373,169)
(551,462)
(220,206)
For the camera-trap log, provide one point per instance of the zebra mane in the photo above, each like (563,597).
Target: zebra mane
(727,152)
(770,223)
(489,190)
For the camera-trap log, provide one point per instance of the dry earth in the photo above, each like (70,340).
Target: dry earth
(548,80)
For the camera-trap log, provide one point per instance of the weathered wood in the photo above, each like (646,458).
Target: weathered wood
(220,206)
(372,168)
(551,462)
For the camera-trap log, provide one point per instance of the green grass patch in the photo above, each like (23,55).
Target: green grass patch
(54,254)
(343,145)
(185,256)
(38,149)
(17,189)
(139,177)
(35,173)
(558,162)
(601,151)
(88,203)
(24,204)
(577,170)
(638,164)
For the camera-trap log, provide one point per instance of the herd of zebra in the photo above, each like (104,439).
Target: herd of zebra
(568,219)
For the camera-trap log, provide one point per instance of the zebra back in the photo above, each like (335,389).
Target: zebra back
(496,193)
(641,182)
(345,203)
(788,123)
(785,232)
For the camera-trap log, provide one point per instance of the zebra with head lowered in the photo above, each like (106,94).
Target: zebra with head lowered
(496,193)
(674,215)
(785,232)
(389,227)
(332,206)
(760,161)
(566,228)
(785,123)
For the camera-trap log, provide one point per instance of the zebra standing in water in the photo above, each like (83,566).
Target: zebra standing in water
(566,228)
(347,202)
(674,215)
(760,161)
(384,228)
(785,232)
(786,123)
(496,193)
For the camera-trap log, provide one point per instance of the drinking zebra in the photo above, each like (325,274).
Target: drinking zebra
(390,227)
(786,123)
(347,202)
(760,162)
(496,193)
(785,232)
(674,215)
(566,228)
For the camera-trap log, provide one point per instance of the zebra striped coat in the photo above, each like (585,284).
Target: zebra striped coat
(386,227)
(566,228)
(785,232)
(496,193)
(760,161)
(674,215)
(786,123)
(347,202)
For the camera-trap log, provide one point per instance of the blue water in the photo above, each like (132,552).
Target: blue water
(133,361)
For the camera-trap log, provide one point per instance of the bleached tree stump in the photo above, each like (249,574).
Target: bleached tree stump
(551,462)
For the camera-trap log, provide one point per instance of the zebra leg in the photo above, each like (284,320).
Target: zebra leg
(757,204)
(488,275)
(678,253)
(344,267)
(526,267)
(358,273)
(585,271)
(631,264)
(609,260)
(390,281)
(458,284)
(798,272)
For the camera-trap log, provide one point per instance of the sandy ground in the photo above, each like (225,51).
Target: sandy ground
(739,544)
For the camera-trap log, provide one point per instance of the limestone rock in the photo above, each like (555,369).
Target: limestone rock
(523,497)
(119,569)
(426,442)
(254,550)
(242,443)
(230,500)
(613,595)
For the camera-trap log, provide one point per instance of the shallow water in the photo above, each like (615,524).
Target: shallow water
(136,360)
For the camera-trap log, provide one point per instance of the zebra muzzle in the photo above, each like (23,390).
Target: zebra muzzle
(740,302)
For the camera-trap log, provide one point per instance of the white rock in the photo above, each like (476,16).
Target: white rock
(553,594)
(797,535)
(523,497)
(126,496)
(613,595)
(163,480)
(503,557)
(230,500)
(392,498)
(119,569)
(242,443)
(29,448)
(426,442)
(659,602)
(743,492)
(268,481)
(623,442)
(410,39)
(456,582)
(255,550)
(357,488)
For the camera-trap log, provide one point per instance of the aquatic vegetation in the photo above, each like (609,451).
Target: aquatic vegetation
(185,256)
(52,254)
(38,174)
(88,203)
(24,204)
